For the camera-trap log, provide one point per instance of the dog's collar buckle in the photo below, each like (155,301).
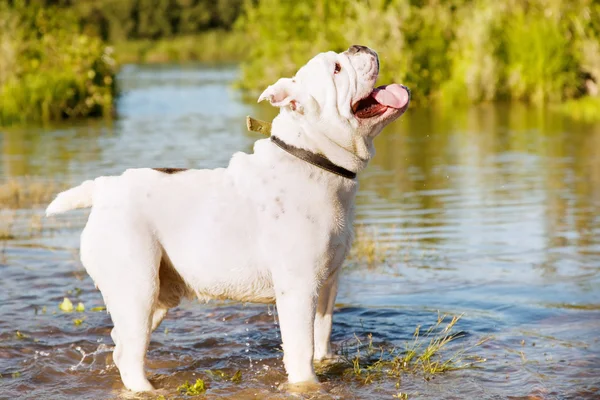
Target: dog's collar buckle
(312,158)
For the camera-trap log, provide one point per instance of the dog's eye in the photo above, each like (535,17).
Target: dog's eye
(337,69)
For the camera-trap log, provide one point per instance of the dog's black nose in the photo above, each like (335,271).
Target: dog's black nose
(357,49)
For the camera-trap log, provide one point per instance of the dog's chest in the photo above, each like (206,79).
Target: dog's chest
(303,212)
(311,225)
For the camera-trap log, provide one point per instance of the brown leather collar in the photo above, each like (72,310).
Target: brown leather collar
(315,159)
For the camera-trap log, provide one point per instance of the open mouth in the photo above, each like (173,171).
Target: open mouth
(380,100)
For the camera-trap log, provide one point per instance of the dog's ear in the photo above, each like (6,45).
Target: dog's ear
(283,93)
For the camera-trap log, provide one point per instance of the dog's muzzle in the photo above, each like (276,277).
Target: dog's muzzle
(358,50)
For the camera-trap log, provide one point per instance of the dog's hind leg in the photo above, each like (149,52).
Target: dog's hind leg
(324,318)
(172,290)
(123,261)
(132,315)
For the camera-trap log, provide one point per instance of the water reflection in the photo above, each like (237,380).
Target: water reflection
(490,181)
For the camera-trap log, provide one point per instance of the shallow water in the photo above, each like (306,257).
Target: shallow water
(493,212)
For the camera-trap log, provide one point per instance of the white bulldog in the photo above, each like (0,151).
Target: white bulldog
(272,227)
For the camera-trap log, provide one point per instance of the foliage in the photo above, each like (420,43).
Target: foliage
(430,352)
(54,62)
(120,20)
(48,69)
(456,51)
(222,375)
(215,46)
(192,390)
(368,247)
(586,109)
(66,305)
(27,192)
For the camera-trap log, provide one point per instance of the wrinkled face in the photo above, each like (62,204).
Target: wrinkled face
(335,93)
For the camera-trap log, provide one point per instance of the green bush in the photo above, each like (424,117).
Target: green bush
(48,69)
(475,71)
(539,61)
(123,20)
(456,51)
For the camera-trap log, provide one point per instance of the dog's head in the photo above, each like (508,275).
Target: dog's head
(334,95)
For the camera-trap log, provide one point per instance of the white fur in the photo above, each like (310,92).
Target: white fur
(77,197)
(268,228)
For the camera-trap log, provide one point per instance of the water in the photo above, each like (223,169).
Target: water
(493,212)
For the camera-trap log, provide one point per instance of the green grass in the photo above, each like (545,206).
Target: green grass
(429,353)
(11,225)
(21,204)
(195,389)
(368,248)
(236,377)
(28,193)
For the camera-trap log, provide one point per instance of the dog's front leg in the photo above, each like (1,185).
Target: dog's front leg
(296,302)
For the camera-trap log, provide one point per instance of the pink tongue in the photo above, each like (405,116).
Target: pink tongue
(393,95)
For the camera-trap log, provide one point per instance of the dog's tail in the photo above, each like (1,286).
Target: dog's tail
(78,197)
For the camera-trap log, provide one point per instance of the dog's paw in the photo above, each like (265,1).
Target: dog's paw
(138,385)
